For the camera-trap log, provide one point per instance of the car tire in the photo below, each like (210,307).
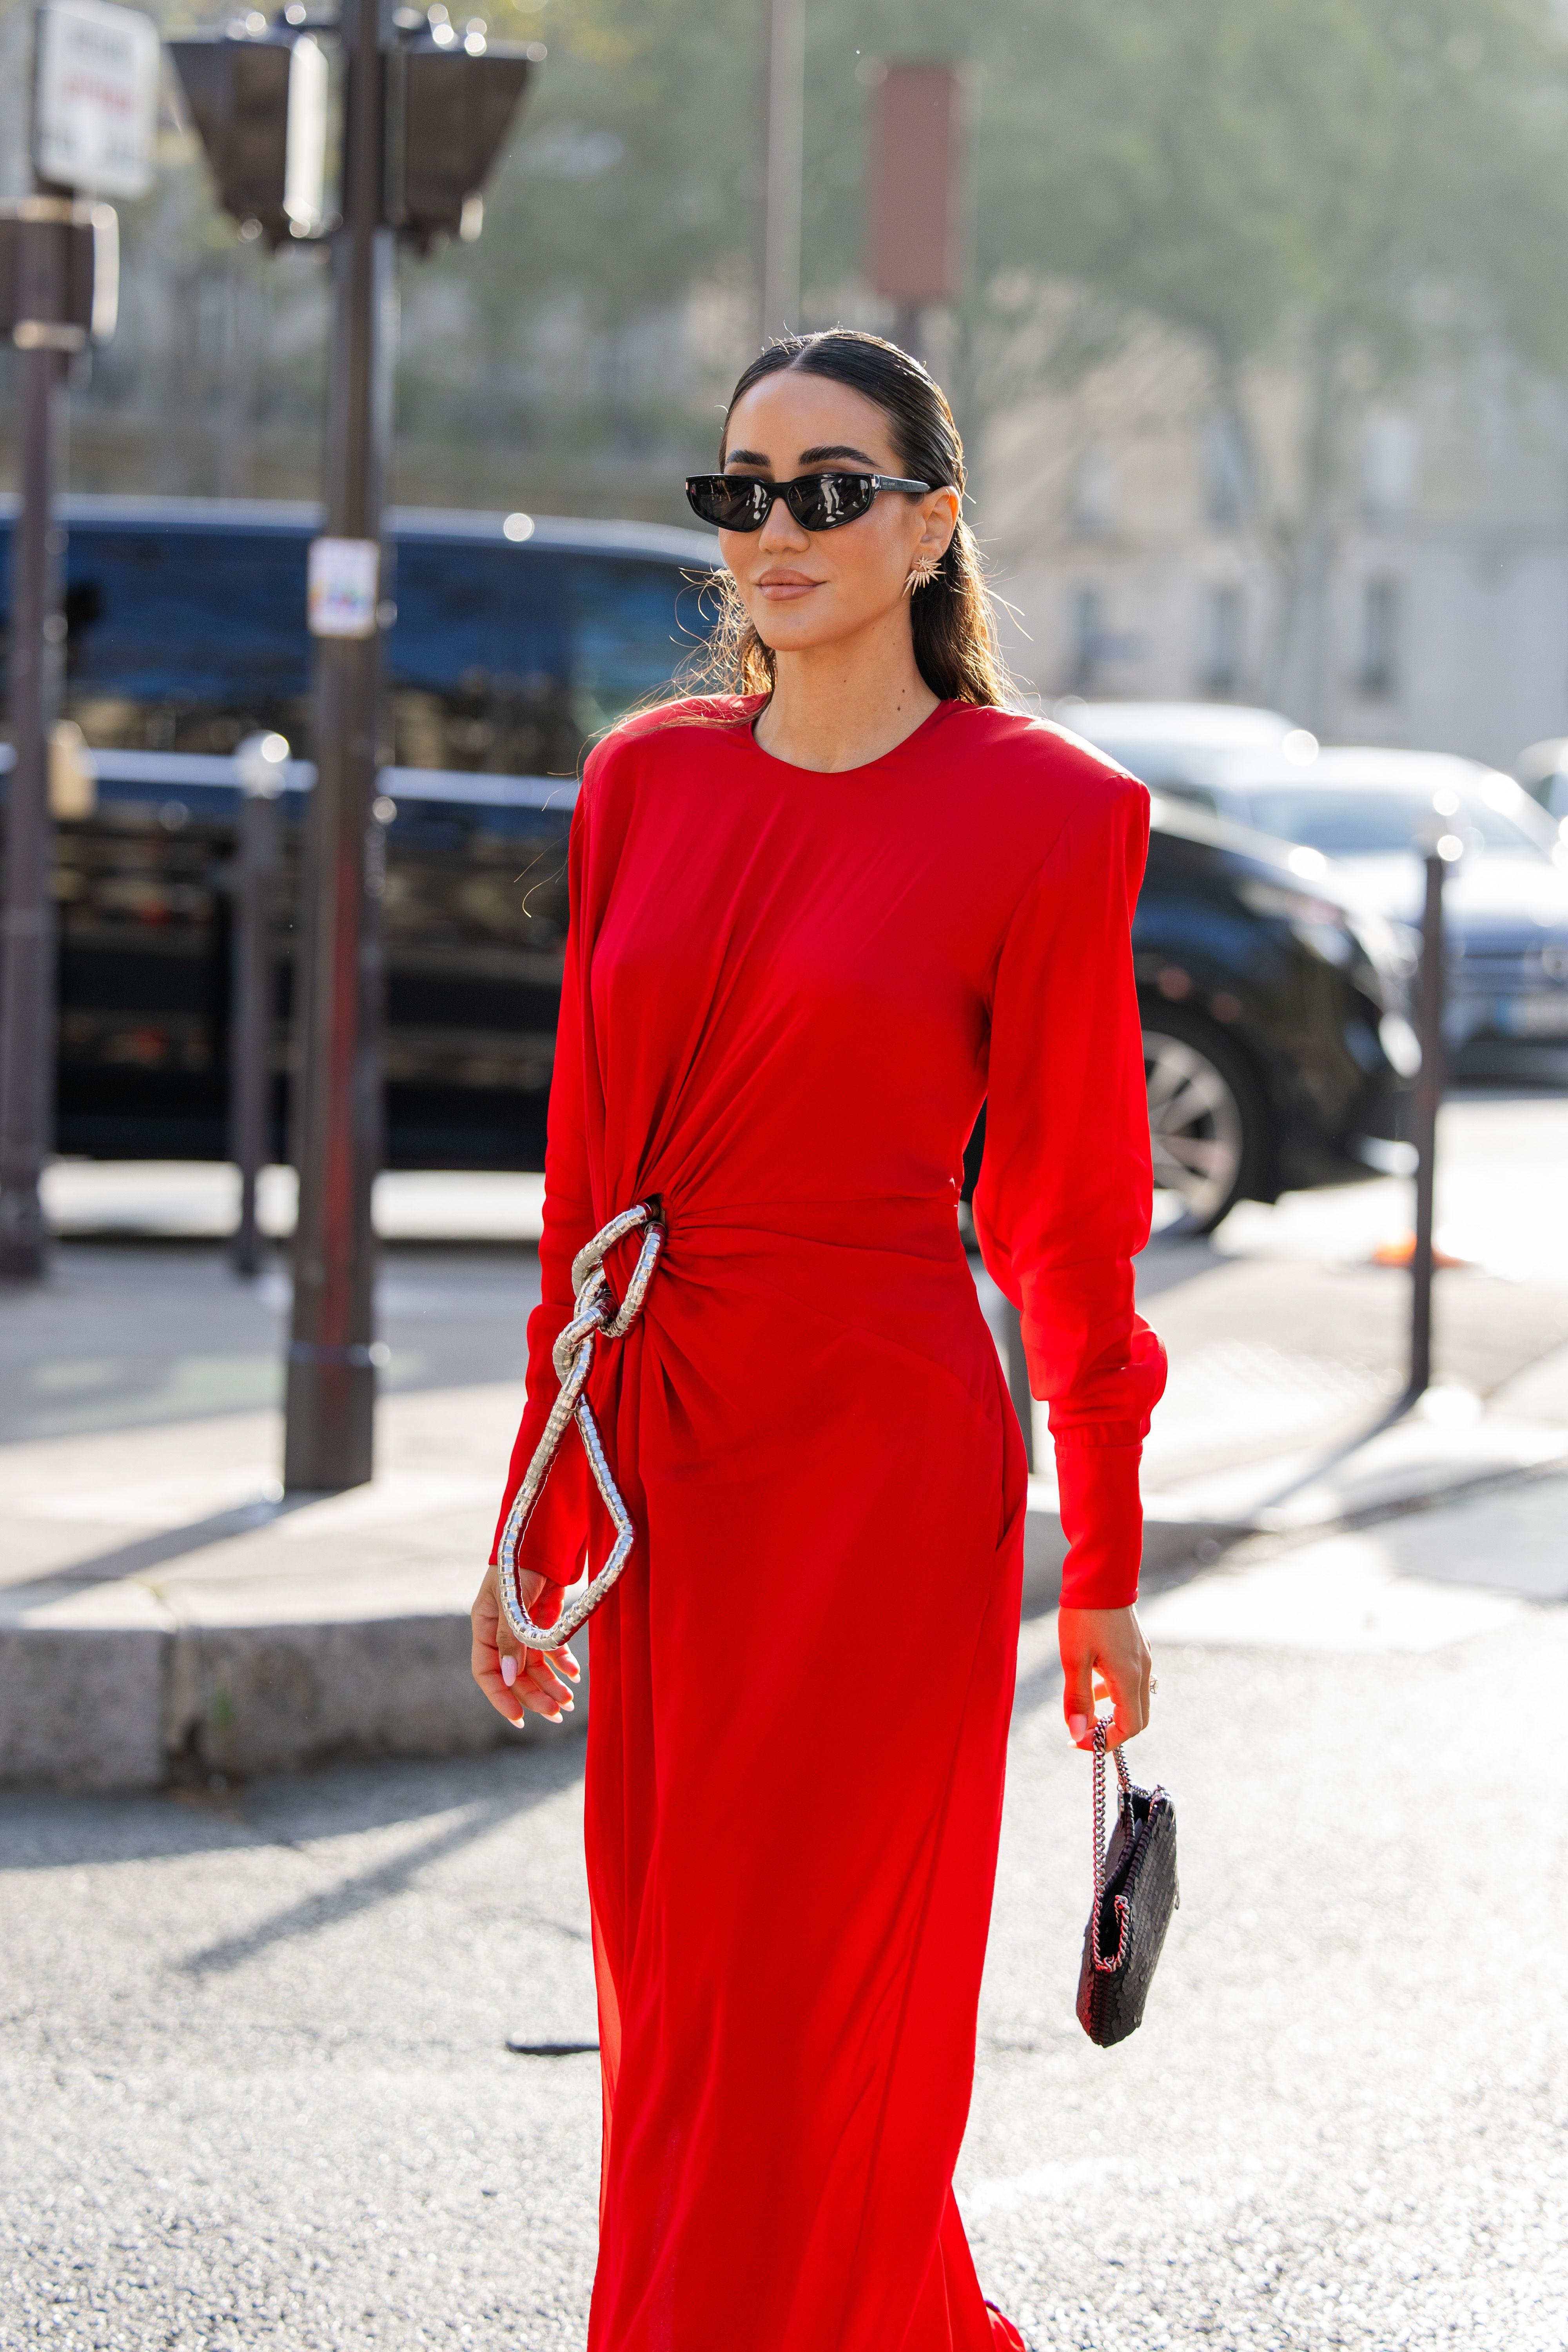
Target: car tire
(1208,1127)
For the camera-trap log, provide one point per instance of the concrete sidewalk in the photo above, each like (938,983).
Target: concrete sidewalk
(166,1615)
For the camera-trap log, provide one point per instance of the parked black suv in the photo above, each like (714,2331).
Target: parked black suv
(1275,1032)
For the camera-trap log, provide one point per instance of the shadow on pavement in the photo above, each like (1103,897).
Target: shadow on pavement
(363,1890)
(45,1831)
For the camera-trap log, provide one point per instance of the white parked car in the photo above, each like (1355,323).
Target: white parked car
(1355,817)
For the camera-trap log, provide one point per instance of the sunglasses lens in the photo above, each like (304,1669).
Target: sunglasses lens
(730,502)
(825,500)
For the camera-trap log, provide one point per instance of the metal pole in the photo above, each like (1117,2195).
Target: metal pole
(331,1396)
(908,329)
(259,761)
(778,292)
(1429,1100)
(37,629)
(1018,1378)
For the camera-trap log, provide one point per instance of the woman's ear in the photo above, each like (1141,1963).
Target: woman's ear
(940,512)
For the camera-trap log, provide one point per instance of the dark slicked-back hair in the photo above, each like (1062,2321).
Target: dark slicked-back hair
(954,621)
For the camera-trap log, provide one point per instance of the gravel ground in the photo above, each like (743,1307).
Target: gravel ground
(255,2092)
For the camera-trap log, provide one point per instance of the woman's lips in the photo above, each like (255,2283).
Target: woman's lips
(785,587)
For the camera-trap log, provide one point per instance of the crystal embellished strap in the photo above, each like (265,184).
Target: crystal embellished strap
(594,1317)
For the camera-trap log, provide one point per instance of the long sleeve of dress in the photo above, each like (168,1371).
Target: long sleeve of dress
(557,1532)
(1063,1198)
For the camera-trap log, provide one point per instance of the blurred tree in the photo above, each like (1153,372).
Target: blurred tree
(1348,185)
(1354,184)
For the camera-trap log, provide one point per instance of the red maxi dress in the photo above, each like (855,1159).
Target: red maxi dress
(786,996)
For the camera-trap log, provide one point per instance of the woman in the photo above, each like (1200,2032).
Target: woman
(815,923)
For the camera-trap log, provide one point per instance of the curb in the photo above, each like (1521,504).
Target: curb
(149,1702)
(117,1707)
(120,1708)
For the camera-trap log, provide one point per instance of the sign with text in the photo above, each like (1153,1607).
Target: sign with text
(342,583)
(96,101)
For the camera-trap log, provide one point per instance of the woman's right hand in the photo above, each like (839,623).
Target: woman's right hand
(1104,1655)
(517,1681)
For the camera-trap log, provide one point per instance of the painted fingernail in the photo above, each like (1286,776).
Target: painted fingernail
(1077,1725)
(509,1671)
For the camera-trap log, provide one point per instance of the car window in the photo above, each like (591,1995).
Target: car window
(479,660)
(181,640)
(637,625)
(1374,822)
(1194,796)
(502,660)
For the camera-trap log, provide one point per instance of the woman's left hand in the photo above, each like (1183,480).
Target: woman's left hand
(1104,1655)
(540,1681)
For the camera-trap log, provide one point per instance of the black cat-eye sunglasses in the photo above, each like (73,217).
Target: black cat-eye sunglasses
(817,501)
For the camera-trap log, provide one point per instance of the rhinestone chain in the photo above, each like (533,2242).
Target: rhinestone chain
(594,1316)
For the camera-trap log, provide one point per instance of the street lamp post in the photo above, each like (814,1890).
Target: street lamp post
(331,1389)
(783,115)
(27,970)
(426,112)
(92,108)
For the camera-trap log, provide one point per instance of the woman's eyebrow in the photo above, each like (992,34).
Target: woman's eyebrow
(745,457)
(834,449)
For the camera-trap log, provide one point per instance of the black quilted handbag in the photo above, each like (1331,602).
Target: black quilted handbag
(1136,1891)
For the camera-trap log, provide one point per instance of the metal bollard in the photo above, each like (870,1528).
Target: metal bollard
(1018,1378)
(259,762)
(1443,849)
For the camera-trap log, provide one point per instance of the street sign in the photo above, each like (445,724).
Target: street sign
(340,586)
(96,96)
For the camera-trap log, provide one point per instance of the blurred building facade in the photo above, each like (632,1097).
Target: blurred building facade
(1144,537)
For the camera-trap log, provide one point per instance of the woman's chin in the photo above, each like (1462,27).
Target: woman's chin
(785,632)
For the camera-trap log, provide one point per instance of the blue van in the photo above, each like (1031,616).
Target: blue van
(513,641)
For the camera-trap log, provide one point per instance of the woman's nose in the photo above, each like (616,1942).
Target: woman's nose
(780,532)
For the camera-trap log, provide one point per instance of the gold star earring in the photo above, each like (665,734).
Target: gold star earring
(922,571)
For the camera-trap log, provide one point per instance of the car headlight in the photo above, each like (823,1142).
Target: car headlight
(1320,924)
(1401,1045)
(1391,948)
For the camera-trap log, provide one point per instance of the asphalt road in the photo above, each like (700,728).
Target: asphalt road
(256,2091)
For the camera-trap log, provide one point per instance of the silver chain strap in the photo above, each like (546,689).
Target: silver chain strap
(594,1316)
(1125,1807)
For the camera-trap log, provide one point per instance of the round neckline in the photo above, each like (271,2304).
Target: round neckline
(863,767)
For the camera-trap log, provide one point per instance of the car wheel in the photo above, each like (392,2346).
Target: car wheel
(1205,1121)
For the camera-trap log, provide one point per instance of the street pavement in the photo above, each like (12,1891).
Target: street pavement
(254,2079)
(165,1610)
(257,2091)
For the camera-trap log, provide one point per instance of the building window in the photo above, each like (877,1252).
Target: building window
(1219,664)
(1389,454)
(1378,670)
(1096,486)
(1224,471)
(1088,638)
